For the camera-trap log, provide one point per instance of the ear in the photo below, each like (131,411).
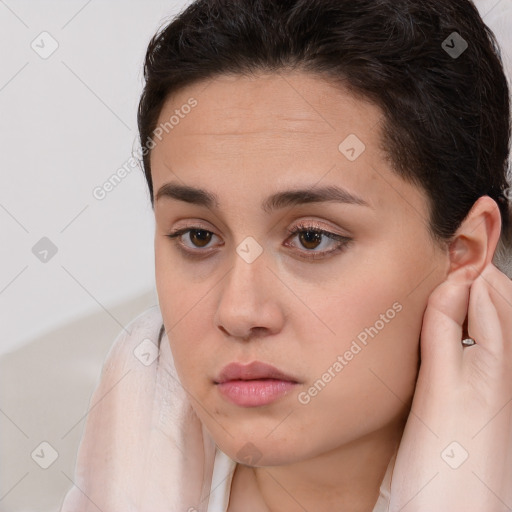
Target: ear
(473,245)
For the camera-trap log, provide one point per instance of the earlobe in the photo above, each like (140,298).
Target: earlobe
(474,243)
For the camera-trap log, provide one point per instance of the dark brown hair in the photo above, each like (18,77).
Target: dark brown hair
(446,117)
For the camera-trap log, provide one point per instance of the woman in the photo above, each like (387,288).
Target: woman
(329,186)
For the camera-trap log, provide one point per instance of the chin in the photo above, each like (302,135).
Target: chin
(259,450)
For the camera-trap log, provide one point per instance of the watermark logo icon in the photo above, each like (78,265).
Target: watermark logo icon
(352,147)
(454,455)
(249,249)
(146,352)
(44,455)
(44,250)
(44,45)
(454,45)
(249,454)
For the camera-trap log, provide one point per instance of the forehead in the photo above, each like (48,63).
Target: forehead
(274,129)
(291,101)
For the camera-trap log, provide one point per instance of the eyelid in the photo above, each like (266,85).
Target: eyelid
(311,225)
(300,226)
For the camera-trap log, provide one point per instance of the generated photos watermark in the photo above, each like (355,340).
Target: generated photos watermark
(357,345)
(100,192)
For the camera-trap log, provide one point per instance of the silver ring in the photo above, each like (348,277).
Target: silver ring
(468,342)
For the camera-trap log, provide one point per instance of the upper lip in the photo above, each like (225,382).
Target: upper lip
(252,371)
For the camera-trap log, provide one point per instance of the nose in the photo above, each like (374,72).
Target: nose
(249,303)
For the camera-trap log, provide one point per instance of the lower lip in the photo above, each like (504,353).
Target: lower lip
(254,393)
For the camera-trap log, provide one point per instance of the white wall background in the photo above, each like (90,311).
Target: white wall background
(67,123)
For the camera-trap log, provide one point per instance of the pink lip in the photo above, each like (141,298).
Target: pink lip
(253,371)
(255,393)
(254,384)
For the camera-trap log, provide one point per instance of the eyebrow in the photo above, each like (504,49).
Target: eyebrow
(276,201)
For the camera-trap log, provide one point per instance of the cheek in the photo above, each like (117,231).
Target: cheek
(392,354)
(357,387)
(178,291)
(180,305)
(373,347)
(377,338)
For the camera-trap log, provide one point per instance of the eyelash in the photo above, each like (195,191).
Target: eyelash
(342,244)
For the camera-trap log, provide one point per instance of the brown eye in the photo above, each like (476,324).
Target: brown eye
(196,242)
(200,237)
(310,239)
(316,243)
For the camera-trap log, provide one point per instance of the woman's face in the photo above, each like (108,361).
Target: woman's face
(342,316)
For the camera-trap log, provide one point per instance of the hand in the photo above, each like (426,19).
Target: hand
(456,451)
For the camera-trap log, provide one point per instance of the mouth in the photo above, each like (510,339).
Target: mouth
(253,371)
(253,385)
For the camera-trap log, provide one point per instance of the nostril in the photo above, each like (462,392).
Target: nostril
(259,331)
(254,332)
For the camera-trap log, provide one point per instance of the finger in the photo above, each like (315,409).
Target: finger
(490,313)
(500,291)
(483,322)
(441,333)
(488,365)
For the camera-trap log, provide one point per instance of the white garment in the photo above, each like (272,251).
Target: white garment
(223,470)
(143,448)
